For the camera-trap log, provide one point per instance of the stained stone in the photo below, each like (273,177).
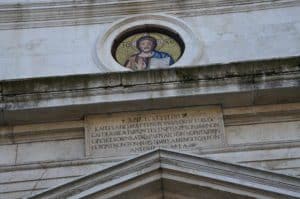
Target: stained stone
(184,129)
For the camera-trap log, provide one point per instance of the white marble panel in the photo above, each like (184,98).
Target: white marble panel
(256,155)
(183,129)
(275,164)
(48,173)
(48,51)
(50,151)
(226,38)
(262,133)
(249,35)
(8,154)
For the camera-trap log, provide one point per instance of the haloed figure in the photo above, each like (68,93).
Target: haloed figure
(148,57)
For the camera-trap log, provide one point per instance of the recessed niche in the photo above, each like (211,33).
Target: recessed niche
(145,42)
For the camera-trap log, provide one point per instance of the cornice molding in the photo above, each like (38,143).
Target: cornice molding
(72,97)
(66,13)
(181,167)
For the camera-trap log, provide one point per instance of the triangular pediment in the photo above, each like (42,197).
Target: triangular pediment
(169,174)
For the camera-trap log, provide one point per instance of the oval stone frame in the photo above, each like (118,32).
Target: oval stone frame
(190,56)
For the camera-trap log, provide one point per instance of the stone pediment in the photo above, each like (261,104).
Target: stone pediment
(168,174)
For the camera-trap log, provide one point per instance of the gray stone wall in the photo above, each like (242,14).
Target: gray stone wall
(42,133)
(50,83)
(40,156)
(39,43)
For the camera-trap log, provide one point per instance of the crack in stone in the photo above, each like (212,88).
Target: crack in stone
(37,182)
(16,156)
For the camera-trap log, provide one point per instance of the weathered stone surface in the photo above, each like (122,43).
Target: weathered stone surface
(264,133)
(189,170)
(233,37)
(49,161)
(42,133)
(28,13)
(8,154)
(187,129)
(50,151)
(229,85)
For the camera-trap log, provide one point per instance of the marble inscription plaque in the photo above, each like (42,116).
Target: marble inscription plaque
(184,129)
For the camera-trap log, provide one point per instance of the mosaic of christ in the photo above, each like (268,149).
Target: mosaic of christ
(148,51)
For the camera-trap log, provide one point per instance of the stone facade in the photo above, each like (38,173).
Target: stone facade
(168,174)
(59,95)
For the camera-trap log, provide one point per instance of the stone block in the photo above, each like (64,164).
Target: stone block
(184,129)
(8,154)
(263,133)
(50,151)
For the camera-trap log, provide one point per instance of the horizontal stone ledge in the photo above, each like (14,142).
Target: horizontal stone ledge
(257,68)
(49,14)
(224,153)
(72,97)
(41,132)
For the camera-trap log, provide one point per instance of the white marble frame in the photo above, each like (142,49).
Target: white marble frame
(191,55)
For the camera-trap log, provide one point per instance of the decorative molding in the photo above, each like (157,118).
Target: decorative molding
(230,85)
(185,168)
(262,114)
(41,132)
(112,160)
(193,46)
(68,13)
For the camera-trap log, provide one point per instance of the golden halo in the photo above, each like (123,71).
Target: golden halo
(165,43)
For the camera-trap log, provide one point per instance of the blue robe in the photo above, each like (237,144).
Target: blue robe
(157,60)
(161,55)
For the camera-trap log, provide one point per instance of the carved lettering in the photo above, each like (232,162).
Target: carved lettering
(185,129)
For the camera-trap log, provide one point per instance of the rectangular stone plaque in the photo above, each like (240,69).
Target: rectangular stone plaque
(183,129)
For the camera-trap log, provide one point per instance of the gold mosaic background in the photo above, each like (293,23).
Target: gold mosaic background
(164,44)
